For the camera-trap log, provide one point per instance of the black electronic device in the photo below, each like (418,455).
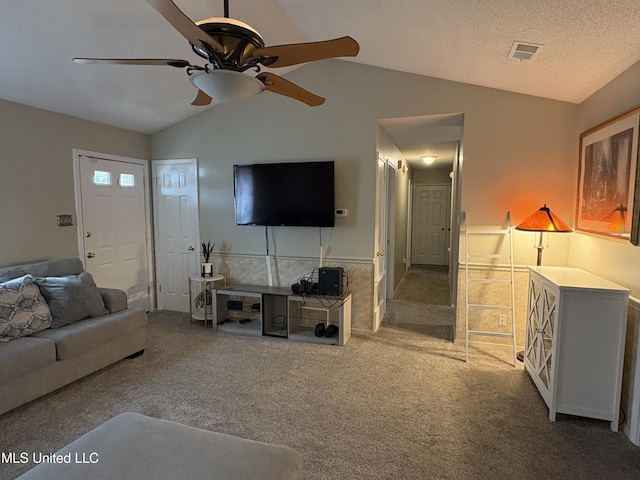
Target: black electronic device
(285,194)
(305,287)
(234,304)
(330,281)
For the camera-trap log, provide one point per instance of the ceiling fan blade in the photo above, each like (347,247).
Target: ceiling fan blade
(201,100)
(135,61)
(183,24)
(277,84)
(296,53)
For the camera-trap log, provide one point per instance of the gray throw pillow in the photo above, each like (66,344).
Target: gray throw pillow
(23,311)
(71,298)
(7,274)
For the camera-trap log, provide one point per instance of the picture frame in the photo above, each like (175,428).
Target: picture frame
(608,178)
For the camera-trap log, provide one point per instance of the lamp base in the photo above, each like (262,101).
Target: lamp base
(540,248)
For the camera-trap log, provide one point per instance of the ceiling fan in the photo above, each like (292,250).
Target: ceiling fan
(232,47)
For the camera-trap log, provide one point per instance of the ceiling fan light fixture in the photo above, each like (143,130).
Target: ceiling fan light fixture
(226,86)
(228,21)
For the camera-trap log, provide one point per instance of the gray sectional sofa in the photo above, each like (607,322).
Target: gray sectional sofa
(78,330)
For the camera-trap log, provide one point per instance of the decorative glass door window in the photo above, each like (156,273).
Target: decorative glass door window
(101,178)
(127,180)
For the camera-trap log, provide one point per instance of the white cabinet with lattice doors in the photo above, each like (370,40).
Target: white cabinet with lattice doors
(541,324)
(574,343)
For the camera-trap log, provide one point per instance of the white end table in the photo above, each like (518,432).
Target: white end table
(206,290)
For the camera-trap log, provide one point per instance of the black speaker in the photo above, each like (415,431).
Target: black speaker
(330,281)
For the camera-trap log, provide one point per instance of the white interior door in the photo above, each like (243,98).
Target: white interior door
(430,232)
(380,281)
(177,230)
(391,229)
(114,226)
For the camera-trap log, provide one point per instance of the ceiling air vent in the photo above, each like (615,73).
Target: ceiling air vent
(524,50)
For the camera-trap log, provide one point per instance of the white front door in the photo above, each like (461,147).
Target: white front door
(114,225)
(176,227)
(430,237)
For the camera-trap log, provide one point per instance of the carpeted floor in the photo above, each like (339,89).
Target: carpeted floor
(395,405)
(422,302)
(425,284)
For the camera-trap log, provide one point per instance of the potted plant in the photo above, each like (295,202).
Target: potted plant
(206,251)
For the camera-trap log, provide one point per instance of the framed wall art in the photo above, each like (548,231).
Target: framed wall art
(607,178)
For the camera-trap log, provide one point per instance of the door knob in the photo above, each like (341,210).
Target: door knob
(191,248)
(91,255)
(88,234)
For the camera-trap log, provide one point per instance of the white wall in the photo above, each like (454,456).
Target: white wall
(518,149)
(36,177)
(616,260)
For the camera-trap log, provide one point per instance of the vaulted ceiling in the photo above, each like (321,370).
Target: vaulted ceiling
(584,45)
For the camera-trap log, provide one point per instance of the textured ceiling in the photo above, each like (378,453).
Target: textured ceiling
(587,43)
(432,135)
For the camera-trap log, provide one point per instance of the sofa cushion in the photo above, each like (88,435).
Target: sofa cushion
(54,268)
(24,355)
(23,311)
(90,333)
(71,298)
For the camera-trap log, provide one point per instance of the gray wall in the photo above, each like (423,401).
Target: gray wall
(518,155)
(512,143)
(36,180)
(616,260)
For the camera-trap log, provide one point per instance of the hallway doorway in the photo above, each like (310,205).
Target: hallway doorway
(427,149)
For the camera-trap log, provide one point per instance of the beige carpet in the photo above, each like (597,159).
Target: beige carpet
(395,405)
(422,302)
(425,284)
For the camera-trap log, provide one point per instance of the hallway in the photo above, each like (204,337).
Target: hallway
(422,302)
(427,284)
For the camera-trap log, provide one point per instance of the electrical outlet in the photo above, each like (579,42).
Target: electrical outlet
(502,320)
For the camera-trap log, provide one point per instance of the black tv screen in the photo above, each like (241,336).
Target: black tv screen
(284,194)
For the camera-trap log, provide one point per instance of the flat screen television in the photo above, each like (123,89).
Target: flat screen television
(299,194)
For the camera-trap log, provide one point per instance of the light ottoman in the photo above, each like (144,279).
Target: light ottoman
(133,446)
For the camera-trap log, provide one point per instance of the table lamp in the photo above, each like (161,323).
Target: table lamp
(616,220)
(543,220)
